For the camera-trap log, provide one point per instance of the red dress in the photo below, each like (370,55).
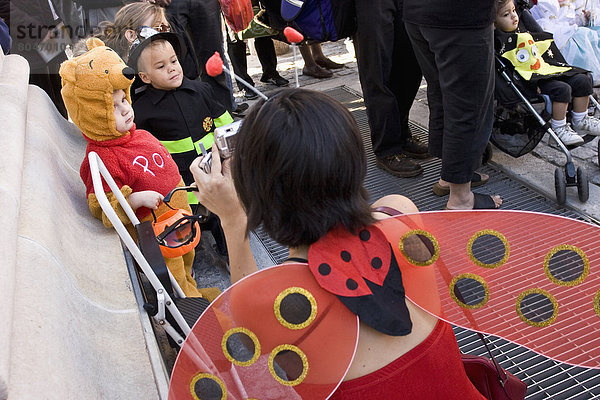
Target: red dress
(432,370)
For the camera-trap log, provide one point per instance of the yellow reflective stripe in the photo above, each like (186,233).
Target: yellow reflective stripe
(224,119)
(185,145)
(207,141)
(191,198)
(178,146)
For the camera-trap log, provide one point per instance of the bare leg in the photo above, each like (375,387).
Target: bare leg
(321,60)
(559,110)
(310,66)
(580,104)
(484,177)
(309,61)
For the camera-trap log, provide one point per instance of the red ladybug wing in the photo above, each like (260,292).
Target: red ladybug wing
(341,261)
(232,351)
(530,278)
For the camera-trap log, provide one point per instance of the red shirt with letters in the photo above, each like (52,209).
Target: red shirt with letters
(137,160)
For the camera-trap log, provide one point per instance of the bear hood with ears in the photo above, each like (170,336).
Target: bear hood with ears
(88,83)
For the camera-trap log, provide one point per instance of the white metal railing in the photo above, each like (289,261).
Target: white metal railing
(99,171)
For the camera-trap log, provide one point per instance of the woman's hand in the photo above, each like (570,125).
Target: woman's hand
(145,198)
(216,191)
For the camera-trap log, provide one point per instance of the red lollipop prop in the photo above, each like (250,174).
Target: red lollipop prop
(294,37)
(214,67)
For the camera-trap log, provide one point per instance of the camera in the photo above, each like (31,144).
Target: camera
(225,138)
(206,163)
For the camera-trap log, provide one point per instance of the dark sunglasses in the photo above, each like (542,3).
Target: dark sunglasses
(182,231)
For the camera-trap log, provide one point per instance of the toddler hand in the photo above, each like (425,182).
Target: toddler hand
(146,198)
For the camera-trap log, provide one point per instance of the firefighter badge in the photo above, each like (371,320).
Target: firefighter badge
(207,124)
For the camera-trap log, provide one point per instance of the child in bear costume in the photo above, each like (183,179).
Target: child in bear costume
(96,93)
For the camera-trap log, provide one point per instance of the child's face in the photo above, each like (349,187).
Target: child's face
(507,19)
(123,111)
(159,66)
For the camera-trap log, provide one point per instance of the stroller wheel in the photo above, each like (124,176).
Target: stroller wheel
(560,186)
(487,154)
(583,185)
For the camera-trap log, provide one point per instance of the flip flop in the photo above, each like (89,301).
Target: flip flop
(481,202)
(476,181)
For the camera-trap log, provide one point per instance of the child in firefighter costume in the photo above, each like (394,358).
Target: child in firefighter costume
(96,92)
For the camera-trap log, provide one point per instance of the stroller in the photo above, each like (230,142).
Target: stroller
(522,118)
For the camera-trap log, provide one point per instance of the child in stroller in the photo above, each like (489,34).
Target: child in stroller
(543,69)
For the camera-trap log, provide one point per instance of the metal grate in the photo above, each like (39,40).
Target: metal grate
(545,378)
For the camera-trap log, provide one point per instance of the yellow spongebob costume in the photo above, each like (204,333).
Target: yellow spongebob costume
(88,84)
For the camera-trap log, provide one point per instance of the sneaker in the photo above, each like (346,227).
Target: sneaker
(399,165)
(567,135)
(414,148)
(276,80)
(588,126)
(249,94)
(240,110)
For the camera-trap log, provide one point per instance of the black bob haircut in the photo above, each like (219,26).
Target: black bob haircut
(299,167)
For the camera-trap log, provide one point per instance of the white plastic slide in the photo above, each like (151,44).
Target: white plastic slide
(72,327)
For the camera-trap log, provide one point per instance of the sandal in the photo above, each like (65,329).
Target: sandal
(481,202)
(476,181)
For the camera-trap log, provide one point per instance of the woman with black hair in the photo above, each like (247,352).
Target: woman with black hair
(298,171)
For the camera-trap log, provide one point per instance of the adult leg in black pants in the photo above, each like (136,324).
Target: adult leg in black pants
(265,50)
(390,77)
(458,65)
(237,55)
(202,19)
